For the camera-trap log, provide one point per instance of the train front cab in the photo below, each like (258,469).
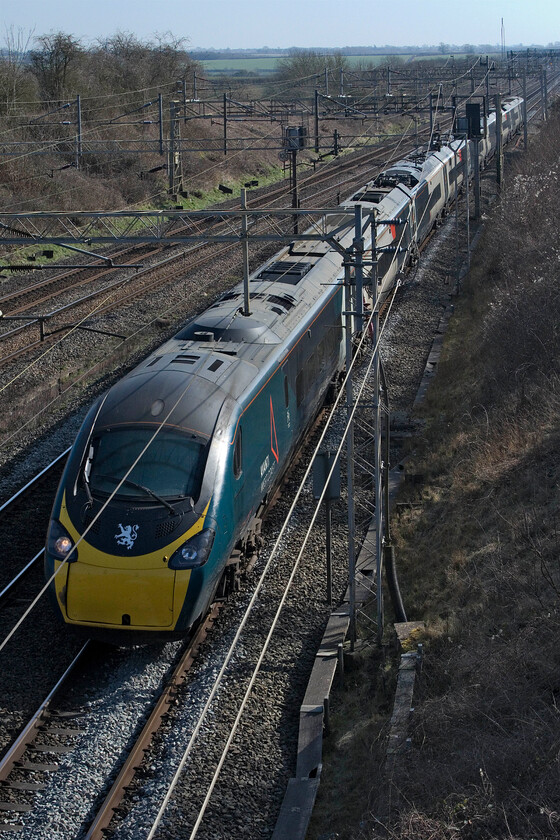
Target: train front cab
(132,563)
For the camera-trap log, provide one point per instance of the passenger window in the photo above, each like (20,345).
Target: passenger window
(237,454)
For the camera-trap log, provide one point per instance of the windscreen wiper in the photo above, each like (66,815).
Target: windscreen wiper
(147,490)
(88,491)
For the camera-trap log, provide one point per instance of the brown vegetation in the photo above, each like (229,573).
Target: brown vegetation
(481,557)
(119,81)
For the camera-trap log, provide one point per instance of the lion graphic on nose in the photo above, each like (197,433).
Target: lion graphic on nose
(127,535)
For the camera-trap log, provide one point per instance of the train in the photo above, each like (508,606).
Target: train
(159,499)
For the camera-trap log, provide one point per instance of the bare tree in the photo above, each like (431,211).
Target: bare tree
(14,72)
(51,63)
(169,59)
(304,67)
(124,63)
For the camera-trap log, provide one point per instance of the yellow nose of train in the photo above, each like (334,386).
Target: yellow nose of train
(102,590)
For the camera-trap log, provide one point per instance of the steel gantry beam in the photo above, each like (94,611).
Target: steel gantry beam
(167,226)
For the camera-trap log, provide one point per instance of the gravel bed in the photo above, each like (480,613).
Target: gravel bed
(109,704)
(114,704)
(31,436)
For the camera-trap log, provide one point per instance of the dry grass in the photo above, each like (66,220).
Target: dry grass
(481,558)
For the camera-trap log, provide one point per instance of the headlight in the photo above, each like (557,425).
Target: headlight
(60,543)
(194,552)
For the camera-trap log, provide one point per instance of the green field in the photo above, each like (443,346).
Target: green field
(241,65)
(268,64)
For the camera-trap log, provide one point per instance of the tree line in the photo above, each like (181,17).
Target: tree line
(53,68)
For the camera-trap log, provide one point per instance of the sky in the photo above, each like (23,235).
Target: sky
(291,23)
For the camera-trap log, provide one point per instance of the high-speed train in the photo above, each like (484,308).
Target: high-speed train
(172,463)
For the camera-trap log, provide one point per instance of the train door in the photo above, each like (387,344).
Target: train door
(238,479)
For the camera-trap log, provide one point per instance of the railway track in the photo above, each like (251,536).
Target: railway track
(22,763)
(13,515)
(53,730)
(152,283)
(35,298)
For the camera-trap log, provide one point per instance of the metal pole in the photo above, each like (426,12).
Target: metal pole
(342,81)
(295,200)
(476,180)
(525,130)
(245,247)
(160,116)
(326,81)
(225,124)
(195,93)
(378,465)
(79,136)
(431,113)
(545,94)
(387,450)
(467,209)
(184,100)
(174,165)
(317,122)
(171,150)
(350,455)
(359,267)
(455,167)
(378,489)
(499,144)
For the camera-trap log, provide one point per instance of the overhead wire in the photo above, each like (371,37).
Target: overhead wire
(87,529)
(96,307)
(209,169)
(274,551)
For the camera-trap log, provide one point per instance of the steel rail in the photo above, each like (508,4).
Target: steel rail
(28,733)
(6,507)
(23,490)
(14,581)
(323,176)
(98,828)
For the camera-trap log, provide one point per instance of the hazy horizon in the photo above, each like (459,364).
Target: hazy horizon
(223,24)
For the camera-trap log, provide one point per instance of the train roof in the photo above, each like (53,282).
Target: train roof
(282,293)
(161,390)
(222,351)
